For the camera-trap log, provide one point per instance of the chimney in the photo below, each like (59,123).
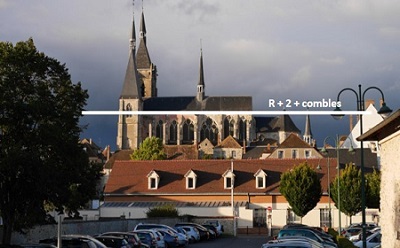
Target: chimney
(351,123)
(369,102)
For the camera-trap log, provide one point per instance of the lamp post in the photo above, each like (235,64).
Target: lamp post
(232,200)
(329,192)
(337,147)
(384,111)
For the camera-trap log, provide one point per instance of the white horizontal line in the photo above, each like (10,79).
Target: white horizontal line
(300,112)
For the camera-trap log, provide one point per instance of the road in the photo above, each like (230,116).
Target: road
(232,242)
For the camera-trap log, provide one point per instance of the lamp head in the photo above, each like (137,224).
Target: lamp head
(384,111)
(337,116)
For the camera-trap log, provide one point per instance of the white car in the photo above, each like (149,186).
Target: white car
(372,241)
(192,232)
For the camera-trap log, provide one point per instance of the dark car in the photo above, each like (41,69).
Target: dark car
(170,239)
(132,238)
(213,232)
(204,233)
(147,238)
(75,240)
(113,241)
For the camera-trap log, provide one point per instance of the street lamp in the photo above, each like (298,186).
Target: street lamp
(337,147)
(384,111)
(329,192)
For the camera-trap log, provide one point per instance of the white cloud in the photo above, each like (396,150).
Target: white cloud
(301,77)
(391,32)
(332,61)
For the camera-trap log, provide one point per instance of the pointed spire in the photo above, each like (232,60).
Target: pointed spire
(201,86)
(142,31)
(131,86)
(307,136)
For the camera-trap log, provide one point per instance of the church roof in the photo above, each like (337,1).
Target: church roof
(274,124)
(214,103)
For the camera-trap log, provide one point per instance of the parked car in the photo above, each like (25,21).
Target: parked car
(358,236)
(192,232)
(308,233)
(288,244)
(113,241)
(132,238)
(317,230)
(160,243)
(142,226)
(212,229)
(218,226)
(204,233)
(147,237)
(348,232)
(302,238)
(75,240)
(171,240)
(372,241)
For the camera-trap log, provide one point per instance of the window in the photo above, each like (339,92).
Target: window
(153,180)
(261,179)
(129,108)
(191,178)
(242,131)
(260,217)
(294,153)
(209,130)
(280,154)
(190,183)
(160,130)
(307,153)
(292,217)
(173,133)
(153,184)
(228,182)
(188,132)
(324,217)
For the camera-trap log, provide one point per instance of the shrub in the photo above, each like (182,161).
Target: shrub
(166,210)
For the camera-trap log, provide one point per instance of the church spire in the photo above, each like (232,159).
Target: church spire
(142,31)
(201,86)
(307,137)
(131,86)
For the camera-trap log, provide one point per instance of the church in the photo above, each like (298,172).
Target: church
(139,93)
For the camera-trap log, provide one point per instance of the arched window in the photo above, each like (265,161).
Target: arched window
(159,130)
(188,132)
(242,130)
(128,108)
(209,130)
(228,127)
(173,133)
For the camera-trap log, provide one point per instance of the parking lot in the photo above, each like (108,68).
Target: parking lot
(232,242)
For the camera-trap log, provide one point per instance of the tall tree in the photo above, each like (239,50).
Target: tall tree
(350,190)
(150,149)
(373,188)
(40,158)
(302,188)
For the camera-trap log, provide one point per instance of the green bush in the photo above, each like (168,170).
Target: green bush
(344,243)
(166,210)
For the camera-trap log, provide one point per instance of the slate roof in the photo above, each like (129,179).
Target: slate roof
(129,177)
(275,124)
(213,103)
(370,158)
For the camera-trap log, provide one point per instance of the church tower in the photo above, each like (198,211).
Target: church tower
(129,133)
(307,136)
(201,86)
(147,70)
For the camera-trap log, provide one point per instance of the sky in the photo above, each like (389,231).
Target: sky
(269,49)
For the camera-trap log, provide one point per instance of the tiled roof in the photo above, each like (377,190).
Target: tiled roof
(274,124)
(118,155)
(129,177)
(229,142)
(294,141)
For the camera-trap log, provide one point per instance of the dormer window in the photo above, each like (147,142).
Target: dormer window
(229,179)
(191,179)
(261,179)
(153,180)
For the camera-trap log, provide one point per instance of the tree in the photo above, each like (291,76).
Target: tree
(302,188)
(40,158)
(373,188)
(150,149)
(350,190)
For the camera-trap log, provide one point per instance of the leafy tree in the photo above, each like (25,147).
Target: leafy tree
(373,188)
(40,158)
(350,190)
(150,149)
(302,188)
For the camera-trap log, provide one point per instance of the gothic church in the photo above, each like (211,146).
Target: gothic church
(139,93)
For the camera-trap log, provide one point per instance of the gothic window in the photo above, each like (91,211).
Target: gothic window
(209,130)
(128,108)
(242,130)
(159,130)
(173,132)
(228,127)
(188,132)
